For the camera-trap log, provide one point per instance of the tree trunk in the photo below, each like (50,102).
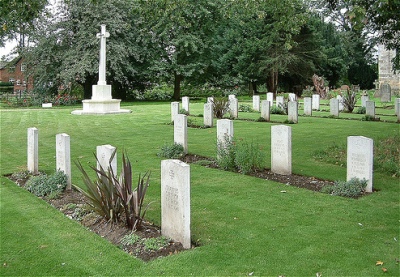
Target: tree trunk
(177,86)
(272,81)
(254,87)
(87,87)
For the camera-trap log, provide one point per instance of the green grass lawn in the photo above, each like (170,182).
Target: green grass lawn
(244,225)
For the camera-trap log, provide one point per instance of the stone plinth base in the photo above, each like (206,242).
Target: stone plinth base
(111,106)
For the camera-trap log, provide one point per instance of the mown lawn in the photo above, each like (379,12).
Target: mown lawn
(244,225)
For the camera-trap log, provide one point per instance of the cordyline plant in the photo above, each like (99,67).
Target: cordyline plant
(349,100)
(110,195)
(220,106)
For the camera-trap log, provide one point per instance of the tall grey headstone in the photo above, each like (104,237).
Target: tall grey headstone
(224,131)
(175,201)
(360,159)
(280,101)
(293,111)
(104,154)
(174,110)
(334,106)
(234,107)
(265,110)
(386,93)
(370,108)
(292,97)
(33,150)
(341,106)
(270,98)
(185,103)
(63,156)
(180,131)
(256,102)
(208,115)
(315,102)
(364,99)
(308,106)
(281,149)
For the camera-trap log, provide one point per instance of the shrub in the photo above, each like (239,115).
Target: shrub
(43,185)
(278,110)
(130,239)
(361,110)
(220,106)
(173,151)
(226,154)
(183,111)
(353,188)
(245,108)
(157,92)
(368,118)
(110,196)
(349,100)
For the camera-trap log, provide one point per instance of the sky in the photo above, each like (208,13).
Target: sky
(9,45)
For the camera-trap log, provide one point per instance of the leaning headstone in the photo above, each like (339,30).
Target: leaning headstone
(63,156)
(185,103)
(270,98)
(360,159)
(175,201)
(210,99)
(364,99)
(208,115)
(174,110)
(265,110)
(233,107)
(308,106)
(280,101)
(315,102)
(180,131)
(334,106)
(224,131)
(341,106)
(256,103)
(293,112)
(33,150)
(386,94)
(281,149)
(370,108)
(104,154)
(292,97)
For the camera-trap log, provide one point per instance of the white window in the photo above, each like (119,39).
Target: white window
(24,83)
(23,67)
(11,80)
(18,82)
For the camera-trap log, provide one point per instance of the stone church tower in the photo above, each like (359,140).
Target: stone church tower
(386,74)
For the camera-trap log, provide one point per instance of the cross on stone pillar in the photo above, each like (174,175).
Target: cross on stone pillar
(102,64)
(376,83)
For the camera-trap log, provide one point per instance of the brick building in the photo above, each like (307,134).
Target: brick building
(14,72)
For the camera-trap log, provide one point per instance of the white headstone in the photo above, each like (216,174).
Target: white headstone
(256,102)
(47,105)
(210,99)
(341,106)
(63,156)
(281,149)
(360,159)
(280,101)
(104,154)
(174,110)
(292,97)
(234,107)
(370,108)
(293,111)
(364,99)
(33,150)
(208,115)
(224,131)
(175,201)
(185,103)
(231,96)
(397,108)
(334,106)
(308,106)
(315,101)
(180,131)
(270,98)
(265,110)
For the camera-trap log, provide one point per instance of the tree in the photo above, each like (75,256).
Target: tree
(66,49)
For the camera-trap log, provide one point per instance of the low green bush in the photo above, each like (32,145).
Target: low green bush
(361,110)
(245,108)
(277,110)
(173,151)
(44,185)
(352,188)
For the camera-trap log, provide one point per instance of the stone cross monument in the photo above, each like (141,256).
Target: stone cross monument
(101,102)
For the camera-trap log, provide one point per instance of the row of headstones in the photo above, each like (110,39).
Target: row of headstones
(359,149)
(175,182)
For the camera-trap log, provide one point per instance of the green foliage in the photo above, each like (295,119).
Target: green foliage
(110,195)
(361,110)
(349,100)
(158,92)
(183,111)
(277,110)
(130,239)
(368,117)
(245,108)
(220,106)
(353,188)
(43,185)
(242,157)
(153,244)
(173,151)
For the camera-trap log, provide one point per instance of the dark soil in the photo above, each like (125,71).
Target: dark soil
(75,206)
